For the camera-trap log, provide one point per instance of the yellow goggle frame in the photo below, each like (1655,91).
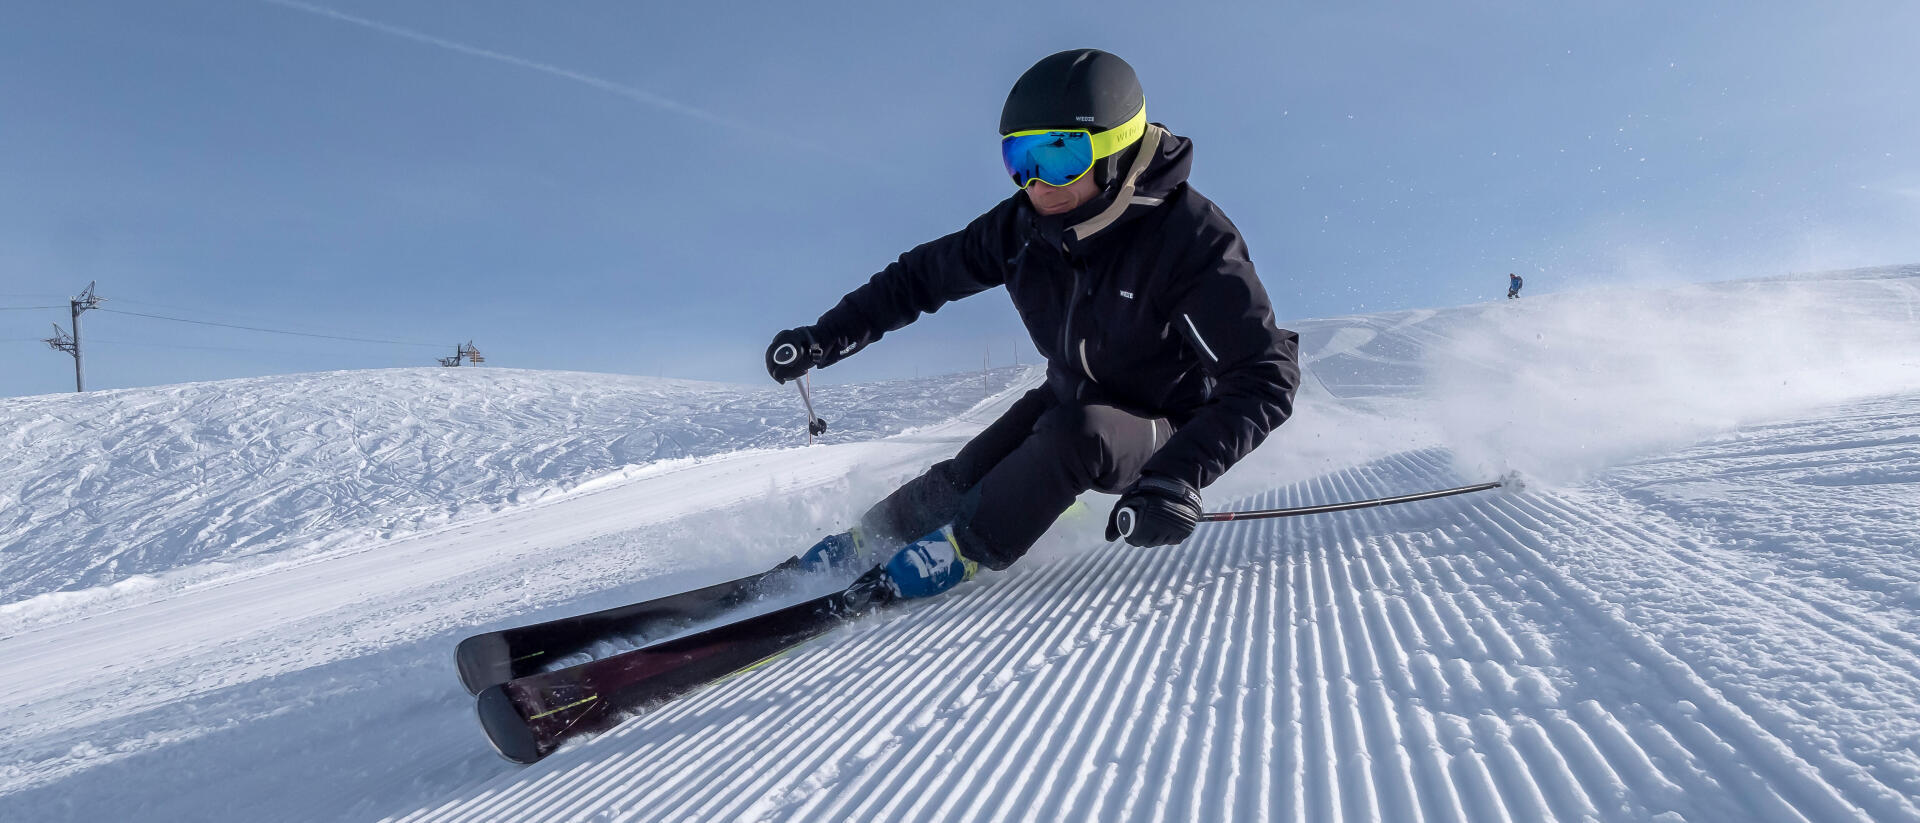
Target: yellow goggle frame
(1104,144)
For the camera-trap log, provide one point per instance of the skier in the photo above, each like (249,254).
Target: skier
(1164,365)
(1513,285)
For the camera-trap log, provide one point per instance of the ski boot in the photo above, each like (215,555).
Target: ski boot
(846,551)
(929,566)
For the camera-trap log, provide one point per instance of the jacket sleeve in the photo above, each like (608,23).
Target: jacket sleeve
(1225,316)
(927,277)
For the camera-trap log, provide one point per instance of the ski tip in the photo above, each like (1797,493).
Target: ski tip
(505,728)
(483,660)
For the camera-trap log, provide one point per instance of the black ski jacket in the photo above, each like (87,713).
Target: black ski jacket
(1143,299)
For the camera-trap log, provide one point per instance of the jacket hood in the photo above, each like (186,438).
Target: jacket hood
(1171,163)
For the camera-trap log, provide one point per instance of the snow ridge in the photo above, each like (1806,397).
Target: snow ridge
(1435,662)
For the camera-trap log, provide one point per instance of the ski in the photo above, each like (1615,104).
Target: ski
(496,657)
(528,717)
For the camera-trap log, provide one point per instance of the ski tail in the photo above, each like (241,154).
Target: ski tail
(497,657)
(505,728)
(527,718)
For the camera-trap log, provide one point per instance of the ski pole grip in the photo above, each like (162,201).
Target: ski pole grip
(1123,522)
(786,354)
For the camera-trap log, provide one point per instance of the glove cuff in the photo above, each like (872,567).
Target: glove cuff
(814,349)
(1166,486)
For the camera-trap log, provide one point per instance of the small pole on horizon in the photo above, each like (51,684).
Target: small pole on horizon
(60,341)
(86,300)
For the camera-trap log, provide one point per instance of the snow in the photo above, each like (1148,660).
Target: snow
(1702,605)
(116,485)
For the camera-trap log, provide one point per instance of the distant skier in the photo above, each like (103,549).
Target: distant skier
(1513,285)
(1164,365)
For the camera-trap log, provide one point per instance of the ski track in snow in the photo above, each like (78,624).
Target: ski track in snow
(1436,662)
(1709,611)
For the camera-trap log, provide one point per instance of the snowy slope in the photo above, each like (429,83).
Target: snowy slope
(1705,607)
(1510,657)
(98,488)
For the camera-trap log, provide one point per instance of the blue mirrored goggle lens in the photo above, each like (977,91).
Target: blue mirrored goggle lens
(1054,158)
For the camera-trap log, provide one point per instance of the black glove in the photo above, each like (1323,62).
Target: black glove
(1155,511)
(792,353)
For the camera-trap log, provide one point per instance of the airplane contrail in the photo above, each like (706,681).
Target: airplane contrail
(638,95)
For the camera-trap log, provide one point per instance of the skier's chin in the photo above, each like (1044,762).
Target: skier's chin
(1053,201)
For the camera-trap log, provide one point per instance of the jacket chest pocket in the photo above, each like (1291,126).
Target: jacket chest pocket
(1116,335)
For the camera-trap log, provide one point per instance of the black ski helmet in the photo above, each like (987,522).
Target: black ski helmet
(1076,89)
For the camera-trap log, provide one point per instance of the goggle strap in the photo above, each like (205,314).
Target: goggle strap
(1111,141)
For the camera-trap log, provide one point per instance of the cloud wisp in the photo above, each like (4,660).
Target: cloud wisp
(637,95)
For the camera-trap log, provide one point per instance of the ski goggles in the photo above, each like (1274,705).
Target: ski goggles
(1058,157)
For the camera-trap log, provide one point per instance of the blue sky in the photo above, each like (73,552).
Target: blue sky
(656,188)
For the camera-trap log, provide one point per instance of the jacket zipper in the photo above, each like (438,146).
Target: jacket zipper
(1066,328)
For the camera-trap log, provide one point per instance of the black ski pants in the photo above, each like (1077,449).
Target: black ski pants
(1007,485)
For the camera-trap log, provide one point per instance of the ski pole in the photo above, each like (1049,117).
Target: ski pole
(785,355)
(1125,520)
(815,425)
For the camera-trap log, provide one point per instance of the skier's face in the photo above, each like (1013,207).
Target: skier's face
(1062,199)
